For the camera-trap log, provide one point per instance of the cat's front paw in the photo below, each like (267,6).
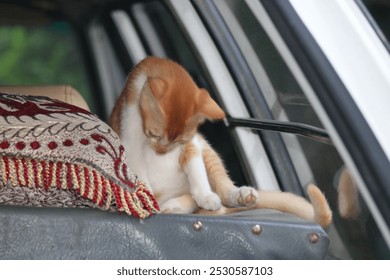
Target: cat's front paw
(244,196)
(209,201)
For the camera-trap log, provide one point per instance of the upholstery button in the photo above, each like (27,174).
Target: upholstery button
(197,226)
(314,238)
(257,229)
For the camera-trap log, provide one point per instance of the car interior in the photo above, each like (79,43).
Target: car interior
(75,52)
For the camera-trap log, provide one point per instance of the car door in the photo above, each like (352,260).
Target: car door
(265,65)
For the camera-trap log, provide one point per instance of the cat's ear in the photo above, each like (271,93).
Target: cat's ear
(207,107)
(151,96)
(157,87)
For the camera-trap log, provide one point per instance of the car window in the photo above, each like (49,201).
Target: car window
(164,38)
(319,163)
(42,55)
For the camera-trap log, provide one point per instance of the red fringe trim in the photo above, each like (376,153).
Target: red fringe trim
(87,182)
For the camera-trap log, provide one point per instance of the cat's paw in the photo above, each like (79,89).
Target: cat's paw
(209,201)
(244,196)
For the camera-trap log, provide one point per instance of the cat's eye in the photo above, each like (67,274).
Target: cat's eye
(153,137)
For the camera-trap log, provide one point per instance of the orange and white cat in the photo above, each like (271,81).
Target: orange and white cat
(157,117)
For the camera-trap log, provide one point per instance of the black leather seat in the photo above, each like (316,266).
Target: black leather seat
(38,233)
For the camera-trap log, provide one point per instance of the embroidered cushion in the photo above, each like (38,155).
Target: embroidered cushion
(56,154)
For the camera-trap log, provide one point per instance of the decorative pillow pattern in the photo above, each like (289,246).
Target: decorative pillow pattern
(50,149)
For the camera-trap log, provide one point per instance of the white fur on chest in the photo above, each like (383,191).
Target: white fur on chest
(165,176)
(161,173)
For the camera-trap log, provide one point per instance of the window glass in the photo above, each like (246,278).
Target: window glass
(353,236)
(42,55)
(111,76)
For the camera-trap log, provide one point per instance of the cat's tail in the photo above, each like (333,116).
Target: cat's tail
(317,210)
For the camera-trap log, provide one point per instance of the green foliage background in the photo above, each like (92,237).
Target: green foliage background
(39,56)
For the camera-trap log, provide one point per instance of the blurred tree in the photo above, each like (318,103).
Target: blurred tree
(41,55)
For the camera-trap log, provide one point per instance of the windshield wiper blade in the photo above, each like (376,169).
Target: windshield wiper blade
(312,132)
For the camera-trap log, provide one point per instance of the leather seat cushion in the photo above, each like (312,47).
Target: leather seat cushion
(57,233)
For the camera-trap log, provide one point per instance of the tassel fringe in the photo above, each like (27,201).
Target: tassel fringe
(85,181)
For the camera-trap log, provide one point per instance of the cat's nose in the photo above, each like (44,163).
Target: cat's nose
(161,149)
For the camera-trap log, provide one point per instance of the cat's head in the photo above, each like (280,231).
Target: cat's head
(172,108)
